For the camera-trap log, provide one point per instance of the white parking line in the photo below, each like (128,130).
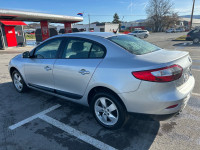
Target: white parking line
(84,137)
(196,94)
(33,117)
(78,134)
(195,69)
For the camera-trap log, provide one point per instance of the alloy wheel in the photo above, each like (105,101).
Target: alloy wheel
(18,82)
(106,111)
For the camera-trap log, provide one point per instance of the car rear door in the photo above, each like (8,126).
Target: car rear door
(39,68)
(76,65)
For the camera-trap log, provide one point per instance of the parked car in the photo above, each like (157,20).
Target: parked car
(180,30)
(194,35)
(171,30)
(62,31)
(114,74)
(140,33)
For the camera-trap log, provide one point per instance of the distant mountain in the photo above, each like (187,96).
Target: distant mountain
(140,20)
(194,16)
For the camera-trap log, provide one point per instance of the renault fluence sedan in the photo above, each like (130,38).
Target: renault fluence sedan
(113,74)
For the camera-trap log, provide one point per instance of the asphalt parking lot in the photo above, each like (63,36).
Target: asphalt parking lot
(37,121)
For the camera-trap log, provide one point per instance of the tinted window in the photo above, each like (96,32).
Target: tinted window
(82,49)
(134,45)
(48,50)
(196,31)
(97,51)
(77,49)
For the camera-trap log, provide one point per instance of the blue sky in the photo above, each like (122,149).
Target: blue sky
(100,10)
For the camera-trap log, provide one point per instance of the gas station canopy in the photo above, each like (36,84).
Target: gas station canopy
(11,25)
(36,17)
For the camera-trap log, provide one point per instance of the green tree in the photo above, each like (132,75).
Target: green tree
(116,18)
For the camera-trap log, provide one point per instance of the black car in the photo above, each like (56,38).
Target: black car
(194,36)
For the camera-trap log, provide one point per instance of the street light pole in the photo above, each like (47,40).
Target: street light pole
(192,15)
(89,21)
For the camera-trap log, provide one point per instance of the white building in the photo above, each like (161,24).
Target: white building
(98,27)
(195,22)
(133,24)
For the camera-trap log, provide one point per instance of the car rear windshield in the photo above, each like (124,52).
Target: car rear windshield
(134,45)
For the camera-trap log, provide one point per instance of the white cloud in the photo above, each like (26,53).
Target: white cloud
(130,6)
(187,10)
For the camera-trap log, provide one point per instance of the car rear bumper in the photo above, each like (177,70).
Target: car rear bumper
(154,117)
(154,100)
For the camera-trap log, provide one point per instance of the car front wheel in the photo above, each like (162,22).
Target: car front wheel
(196,40)
(18,82)
(108,110)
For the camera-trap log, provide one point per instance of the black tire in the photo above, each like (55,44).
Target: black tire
(24,86)
(145,36)
(196,40)
(122,113)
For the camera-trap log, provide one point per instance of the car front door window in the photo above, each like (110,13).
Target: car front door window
(48,50)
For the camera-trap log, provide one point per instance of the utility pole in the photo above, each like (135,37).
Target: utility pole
(192,15)
(89,21)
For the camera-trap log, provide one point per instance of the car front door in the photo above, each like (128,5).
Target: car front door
(39,68)
(73,71)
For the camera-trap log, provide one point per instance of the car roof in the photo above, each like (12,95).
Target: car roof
(100,34)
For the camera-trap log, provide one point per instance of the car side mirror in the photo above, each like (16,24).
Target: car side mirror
(26,54)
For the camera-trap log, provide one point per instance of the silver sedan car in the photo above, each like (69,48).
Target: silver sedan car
(114,74)
(140,33)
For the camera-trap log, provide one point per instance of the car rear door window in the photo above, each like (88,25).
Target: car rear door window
(77,49)
(97,51)
(82,49)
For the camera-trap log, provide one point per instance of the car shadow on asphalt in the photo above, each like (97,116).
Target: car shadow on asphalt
(187,44)
(138,133)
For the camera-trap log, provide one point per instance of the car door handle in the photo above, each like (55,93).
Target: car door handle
(83,72)
(47,68)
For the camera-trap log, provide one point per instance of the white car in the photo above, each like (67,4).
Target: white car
(140,33)
(171,30)
(180,30)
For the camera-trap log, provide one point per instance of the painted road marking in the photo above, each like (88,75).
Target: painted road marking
(33,117)
(84,137)
(78,134)
(195,67)
(195,70)
(196,94)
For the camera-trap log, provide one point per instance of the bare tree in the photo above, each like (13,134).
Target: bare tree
(170,21)
(157,11)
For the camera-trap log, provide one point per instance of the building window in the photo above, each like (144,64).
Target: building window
(91,29)
(102,29)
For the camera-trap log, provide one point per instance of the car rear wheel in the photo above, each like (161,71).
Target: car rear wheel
(196,40)
(145,36)
(18,82)
(108,110)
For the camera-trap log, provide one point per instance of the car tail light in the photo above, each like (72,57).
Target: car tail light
(188,36)
(172,106)
(165,74)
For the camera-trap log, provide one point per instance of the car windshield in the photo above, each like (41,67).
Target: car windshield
(134,45)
